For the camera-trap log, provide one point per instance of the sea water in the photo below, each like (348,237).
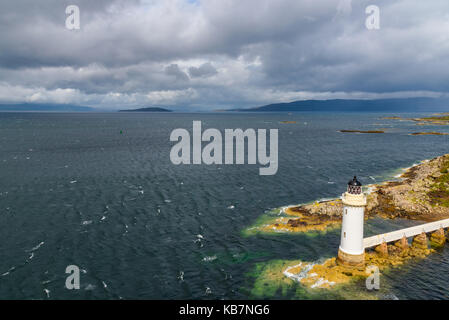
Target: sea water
(98,190)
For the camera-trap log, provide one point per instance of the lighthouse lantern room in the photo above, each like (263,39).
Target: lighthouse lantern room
(351,251)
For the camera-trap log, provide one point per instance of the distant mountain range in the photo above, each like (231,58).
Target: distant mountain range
(336,105)
(44,107)
(347,105)
(151,109)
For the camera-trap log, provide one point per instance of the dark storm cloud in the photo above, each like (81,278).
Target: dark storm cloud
(173,70)
(215,53)
(204,71)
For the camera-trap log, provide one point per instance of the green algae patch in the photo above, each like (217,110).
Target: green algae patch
(306,218)
(295,279)
(245,257)
(269,281)
(262,221)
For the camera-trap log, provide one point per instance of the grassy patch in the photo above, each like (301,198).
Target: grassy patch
(440,189)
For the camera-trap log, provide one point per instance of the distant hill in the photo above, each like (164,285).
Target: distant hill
(378,105)
(22,107)
(152,109)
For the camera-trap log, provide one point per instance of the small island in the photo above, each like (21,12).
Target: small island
(362,131)
(429,133)
(437,119)
(150,109)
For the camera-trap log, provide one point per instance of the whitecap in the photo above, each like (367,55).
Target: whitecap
(90,287)
(37,247)
(210,258)
(390,296)
(9,271)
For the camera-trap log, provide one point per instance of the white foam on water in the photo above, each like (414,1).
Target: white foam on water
(90,287)
(325,200)
(37,247)
(390,296)
(210,258)
(8,272)
(320,282)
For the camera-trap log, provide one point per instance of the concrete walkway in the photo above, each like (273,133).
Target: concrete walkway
(407,232)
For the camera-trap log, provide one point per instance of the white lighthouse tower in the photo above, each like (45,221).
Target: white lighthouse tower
(351,251)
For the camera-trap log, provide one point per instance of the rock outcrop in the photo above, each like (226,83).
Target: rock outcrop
(421,194)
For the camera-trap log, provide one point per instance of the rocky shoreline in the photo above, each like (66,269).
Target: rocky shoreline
(422,193)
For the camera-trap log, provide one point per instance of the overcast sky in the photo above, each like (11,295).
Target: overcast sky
(214,54)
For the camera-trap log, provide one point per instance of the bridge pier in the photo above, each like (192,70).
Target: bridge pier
(420,241)
(402,244)
(382,249)
(438,238)
(435,229)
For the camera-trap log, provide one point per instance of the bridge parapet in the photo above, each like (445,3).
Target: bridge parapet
(407,232)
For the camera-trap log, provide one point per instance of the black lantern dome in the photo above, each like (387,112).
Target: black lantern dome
(354,186)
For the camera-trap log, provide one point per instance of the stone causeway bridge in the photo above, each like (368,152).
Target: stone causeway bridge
(419,232)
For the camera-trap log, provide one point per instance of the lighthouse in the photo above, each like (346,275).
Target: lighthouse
(351,251)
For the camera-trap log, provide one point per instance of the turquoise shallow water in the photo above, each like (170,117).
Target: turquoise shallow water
(73,190)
